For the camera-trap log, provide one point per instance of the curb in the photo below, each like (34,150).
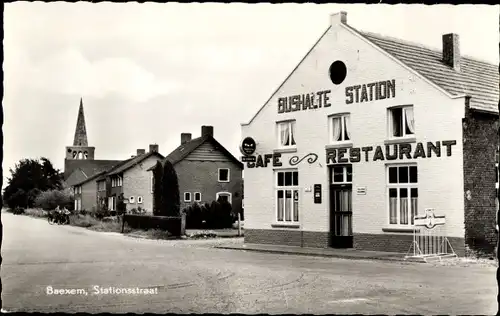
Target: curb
(341,256)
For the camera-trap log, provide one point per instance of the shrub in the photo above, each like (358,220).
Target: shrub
(120,205)
(18,211)
(50,200)
(209,216)
(36,212)
(166,190)
(138,211)
(100,212)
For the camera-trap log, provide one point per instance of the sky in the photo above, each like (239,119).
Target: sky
(149,72)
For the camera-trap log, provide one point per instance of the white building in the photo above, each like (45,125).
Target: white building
(365,133)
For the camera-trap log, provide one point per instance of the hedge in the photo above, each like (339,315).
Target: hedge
(172,224)
(209,215)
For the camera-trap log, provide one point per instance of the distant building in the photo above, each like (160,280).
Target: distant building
(206,170)
(79,163)
(367,132)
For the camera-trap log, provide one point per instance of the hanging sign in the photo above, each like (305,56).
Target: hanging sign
(248,146)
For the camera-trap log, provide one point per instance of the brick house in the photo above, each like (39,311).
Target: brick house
(206,170)
(128,179)
(368,131)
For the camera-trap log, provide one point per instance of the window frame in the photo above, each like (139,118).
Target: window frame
(285,188)
(131,199)
(140,200)
(230,199)
(194,197)
(390,122)
(279,125)
(228,175)
(399,186)
(342,117)
(184,197)
(344,177)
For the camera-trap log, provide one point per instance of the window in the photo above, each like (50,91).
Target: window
(101,186)
(401,122)
(197,196)
(152,183)
(287,196)
(111,203)
(224,175)
(341,174)
(224,196)
(339,128)
(286,134)
(402,190)
(139,199)
(131,199)
(187,196)
(120,181)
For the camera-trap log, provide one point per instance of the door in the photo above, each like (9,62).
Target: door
(341,216)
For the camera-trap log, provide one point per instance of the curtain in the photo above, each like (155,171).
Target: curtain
(414,208)
(336,129)
(410,121)
(292,127)
(296,207)
(284,134)
(281,206)
(403,215)
(288,205)
(393,206)
(347,127)
(396,121)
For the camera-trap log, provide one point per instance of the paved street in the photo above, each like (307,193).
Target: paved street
(193,277)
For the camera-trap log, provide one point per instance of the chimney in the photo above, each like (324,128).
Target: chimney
(185,137)
(141,152)
(339,17)
(207,131)
(451,51)
(153,148)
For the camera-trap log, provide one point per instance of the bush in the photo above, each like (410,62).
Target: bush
(138,211)
(172,224)
(36,212)
(18,210)
(209,216)
(50,200)
(100,212)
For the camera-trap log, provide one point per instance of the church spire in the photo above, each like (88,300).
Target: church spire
(80,132)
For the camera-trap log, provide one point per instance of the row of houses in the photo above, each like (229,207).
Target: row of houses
(206,171)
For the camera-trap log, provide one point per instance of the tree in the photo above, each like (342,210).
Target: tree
(166,187)
(29,178)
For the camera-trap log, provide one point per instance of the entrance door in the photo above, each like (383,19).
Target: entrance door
(341,207)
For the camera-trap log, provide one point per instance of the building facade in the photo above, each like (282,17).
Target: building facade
(366,133)
(206,171)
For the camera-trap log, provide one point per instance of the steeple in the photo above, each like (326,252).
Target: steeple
(81,131)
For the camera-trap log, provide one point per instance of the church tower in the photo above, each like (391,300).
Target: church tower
(80,149)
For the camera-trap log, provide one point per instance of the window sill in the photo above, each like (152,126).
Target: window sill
(285,225)
(285,150)
(399,229)
(401,140)
(339,145)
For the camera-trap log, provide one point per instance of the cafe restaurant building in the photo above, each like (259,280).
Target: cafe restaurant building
(368,132)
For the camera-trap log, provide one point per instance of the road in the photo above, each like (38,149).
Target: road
(194,277)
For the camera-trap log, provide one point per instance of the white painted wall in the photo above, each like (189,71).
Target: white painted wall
(137,182)
(437,118)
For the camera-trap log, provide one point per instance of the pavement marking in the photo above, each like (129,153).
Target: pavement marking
(349,300)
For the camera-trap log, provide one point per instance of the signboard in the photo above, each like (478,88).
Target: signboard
(248,146)
(248,159)
(429,219)
(361,190)
(317,193)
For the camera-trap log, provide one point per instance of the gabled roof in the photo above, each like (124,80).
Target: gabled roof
(187,148)
(129,163)
(94,177)
(477,79)
(88,167)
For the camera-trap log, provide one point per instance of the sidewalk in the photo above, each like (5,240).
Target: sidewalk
(222,233)
(321,252)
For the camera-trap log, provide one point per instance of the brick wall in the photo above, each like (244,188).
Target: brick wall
(287,237)
(480,143)
(397,243)
(137,182)
(202,176)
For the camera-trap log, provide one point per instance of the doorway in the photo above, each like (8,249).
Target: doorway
(341,207)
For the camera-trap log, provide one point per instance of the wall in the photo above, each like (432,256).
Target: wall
(89,195)
(137,182)
(202,176)
(437,117)
(480,143)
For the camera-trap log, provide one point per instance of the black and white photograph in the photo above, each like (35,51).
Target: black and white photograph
(259,158)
